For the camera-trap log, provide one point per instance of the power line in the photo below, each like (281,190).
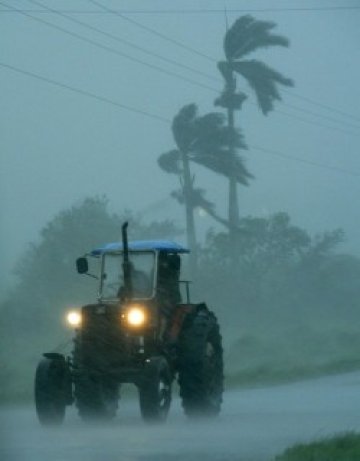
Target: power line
(92,42)
(109,49)
(158,56)
(84,92)
(307,162)
(154,67)
(203,55)
(319,104)
(152,31)
(84,24)
(103,7)
(309,122)
(126,42)
(325,117)
(159,118)
(112,50)
(201,11)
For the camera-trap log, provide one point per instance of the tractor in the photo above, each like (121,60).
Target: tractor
(139,331)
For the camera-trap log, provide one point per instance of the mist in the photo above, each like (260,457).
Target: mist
(59,147)
(82,128)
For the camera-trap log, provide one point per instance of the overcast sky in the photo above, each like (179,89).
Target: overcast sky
(59,146)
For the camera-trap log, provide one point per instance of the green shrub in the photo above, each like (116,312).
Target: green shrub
(340,448)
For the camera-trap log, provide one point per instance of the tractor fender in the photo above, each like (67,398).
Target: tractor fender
(183,314)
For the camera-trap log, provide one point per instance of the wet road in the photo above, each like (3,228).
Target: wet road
(255,424)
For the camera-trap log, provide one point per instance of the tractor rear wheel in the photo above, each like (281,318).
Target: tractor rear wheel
(201,365)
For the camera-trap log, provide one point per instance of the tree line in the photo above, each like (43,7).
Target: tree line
(281,271)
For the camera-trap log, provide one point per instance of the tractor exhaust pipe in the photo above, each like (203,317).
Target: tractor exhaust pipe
(126,262)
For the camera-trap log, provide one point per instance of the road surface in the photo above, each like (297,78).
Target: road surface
(255,425)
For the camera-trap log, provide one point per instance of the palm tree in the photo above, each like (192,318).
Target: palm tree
(203,140)
(177,161)
(198,201)
(245,36)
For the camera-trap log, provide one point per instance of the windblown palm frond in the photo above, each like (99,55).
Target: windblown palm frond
(183,127)
(263,80)
(208,122)
(230,101)
(226,71)
(169,161)
(219,141)
(214,135)
(210,132)
(248,34)
(199,201)
(210,146)
(222,163)
(178,195)
(197,198)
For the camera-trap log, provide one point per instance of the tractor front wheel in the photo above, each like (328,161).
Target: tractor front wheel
(51,391)
(96,398)
(155,390)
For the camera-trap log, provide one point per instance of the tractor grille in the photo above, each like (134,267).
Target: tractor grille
(102,342)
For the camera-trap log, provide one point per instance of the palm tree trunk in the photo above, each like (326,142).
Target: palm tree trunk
(189,214)
(234,218)
(233,215)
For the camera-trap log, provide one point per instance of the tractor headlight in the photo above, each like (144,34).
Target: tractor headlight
(135,316)
(74,319)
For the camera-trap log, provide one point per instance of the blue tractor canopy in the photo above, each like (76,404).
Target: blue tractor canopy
(166,246)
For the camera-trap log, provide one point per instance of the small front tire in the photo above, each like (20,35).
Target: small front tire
(50,393)
(95,398)
(155,390)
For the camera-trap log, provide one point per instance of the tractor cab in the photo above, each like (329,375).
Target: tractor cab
(146,269)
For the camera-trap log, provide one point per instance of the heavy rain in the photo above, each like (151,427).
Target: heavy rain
(227,128)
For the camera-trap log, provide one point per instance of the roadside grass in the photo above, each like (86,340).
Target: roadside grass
(259,359)
(344,447)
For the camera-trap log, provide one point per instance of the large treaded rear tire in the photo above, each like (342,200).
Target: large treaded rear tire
(201,365)
(95,398)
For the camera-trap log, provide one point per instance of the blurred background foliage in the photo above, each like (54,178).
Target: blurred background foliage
(288,302)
